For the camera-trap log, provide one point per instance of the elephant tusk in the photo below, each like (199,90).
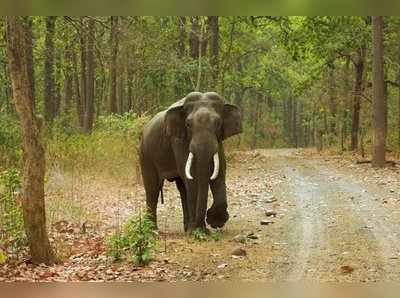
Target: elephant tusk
(216,167)
(189,166)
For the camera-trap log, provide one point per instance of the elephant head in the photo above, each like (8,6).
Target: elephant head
(203,120)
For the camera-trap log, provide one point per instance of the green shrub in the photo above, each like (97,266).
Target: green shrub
(112,145)
(11,219)
(10,140)
(199,235)
(136,241)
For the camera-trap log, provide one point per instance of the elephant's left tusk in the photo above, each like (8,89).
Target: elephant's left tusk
(189,166)
(216,167)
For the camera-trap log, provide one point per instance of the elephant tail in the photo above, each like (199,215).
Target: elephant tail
(162,192)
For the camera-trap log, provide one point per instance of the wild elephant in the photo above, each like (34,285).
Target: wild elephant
(184,144)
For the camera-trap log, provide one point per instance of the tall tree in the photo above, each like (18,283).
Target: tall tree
(29,55)
(398,87)
(68,77)
(194,37)
(213,25)
(112,104)
(379,108)
(49,80)
(89,78)
(182,36)
(358,87)
(33,202)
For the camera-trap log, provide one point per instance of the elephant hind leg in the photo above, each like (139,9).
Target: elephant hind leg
(182,190)
(152,186)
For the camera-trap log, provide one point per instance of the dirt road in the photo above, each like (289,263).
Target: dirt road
(331,225)
(335,221)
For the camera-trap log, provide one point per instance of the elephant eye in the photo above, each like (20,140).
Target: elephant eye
(188,124)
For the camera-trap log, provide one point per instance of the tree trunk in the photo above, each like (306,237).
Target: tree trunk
(398,99)
(129,82)
(112,104)
(49,81)
(78,98)
(332,97)
(194,40)
(29,56)
(33,202)
(359,72)
(182,37)
(379,152)
(89,78)
(68,78)
(214,48)
(294,123)
(82,102)
(346,105)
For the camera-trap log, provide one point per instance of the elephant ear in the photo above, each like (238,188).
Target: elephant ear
(232,121)
(175,120)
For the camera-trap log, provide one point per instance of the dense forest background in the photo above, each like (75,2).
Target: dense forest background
(300,81)
(75,93)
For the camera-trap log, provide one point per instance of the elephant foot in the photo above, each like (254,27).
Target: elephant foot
(217,217)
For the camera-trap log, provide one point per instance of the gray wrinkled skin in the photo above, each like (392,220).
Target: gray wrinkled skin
(197,123)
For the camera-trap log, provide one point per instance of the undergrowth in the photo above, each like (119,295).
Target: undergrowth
(136,241)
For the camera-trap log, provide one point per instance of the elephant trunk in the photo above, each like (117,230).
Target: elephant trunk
(202,178)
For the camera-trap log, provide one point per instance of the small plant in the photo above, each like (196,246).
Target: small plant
(216,235)
(136,241)
(199,235)
(3,257)
(12,232)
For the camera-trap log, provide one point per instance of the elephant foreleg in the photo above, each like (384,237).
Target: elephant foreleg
(182,190)
(152,186)
(218,215)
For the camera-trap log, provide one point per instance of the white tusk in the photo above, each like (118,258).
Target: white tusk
(216,167)
(189,166)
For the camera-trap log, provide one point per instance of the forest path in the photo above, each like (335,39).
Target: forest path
(330,224)
(335,221)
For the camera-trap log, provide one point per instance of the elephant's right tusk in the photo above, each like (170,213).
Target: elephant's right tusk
(216,167)
(189,166)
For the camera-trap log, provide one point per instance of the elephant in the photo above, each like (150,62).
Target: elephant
(183,144)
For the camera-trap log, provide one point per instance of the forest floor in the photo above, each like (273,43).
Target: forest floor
(335,221)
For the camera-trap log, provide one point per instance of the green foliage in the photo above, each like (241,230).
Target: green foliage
(200,235)
(12,233)
(136,241)
(111,146)
(10,140)
(216,235)
(3,257)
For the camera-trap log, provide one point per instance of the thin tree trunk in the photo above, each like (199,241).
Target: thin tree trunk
(112,104)
(82,102)
(194,41)
(49,80)
(214,48)
(68,78)
(359,72)
(33,202)
(398,99)
(347,100)
(294,123)
(379,152)
(29,56)
(78,98)
(89,78)
(332,97)
(182,37)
